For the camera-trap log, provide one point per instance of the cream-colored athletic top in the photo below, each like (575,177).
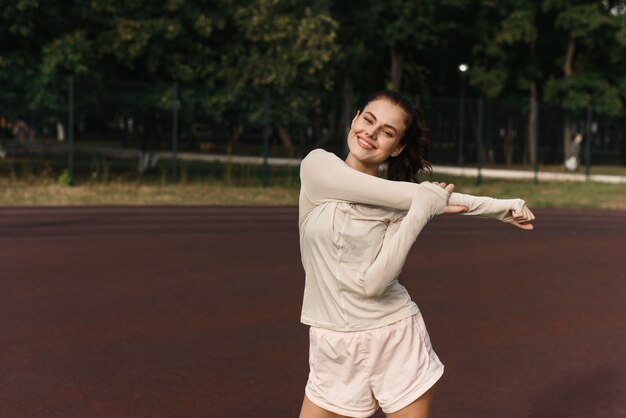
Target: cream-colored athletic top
(356,231)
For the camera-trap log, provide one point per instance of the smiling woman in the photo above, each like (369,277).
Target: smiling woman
(369,347)
(393,127)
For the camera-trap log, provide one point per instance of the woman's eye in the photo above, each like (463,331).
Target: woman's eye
(388,134)
(368,120)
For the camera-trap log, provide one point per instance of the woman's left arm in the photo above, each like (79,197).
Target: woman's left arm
(399,239)
(513,211)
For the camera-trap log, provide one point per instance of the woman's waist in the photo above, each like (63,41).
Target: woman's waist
(363,321)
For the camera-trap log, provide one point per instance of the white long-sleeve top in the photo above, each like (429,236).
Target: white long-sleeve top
(356,231)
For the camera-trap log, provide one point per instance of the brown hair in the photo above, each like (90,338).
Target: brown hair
(416,138)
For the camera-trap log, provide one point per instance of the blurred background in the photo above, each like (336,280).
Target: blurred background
(132,311)
(170,90)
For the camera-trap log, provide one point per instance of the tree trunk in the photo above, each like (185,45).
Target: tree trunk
(569,57)
(567,134)
(285,139)
(530,152)
(396,70)
(568,72)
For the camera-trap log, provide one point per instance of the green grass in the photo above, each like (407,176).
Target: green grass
(110,181)
(92,193)
(213,192)
(616,170)
(547,194)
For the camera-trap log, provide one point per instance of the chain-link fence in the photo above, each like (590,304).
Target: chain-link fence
(176,132)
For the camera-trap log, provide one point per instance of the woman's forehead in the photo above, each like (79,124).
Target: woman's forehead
(387,112)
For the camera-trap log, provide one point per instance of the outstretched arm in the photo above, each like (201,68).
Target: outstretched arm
(513,211)
(325,177)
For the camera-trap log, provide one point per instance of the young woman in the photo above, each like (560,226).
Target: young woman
(368,344)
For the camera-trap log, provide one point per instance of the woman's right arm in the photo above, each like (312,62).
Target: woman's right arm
(325,177)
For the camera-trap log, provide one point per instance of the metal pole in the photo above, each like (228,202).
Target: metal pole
(479,141)
(70,131)
(175,132)
(266,135)
(536,141)
(461,121)
(588,144)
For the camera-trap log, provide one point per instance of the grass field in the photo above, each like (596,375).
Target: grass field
(212,192)
(205,193)
(39,180)
(553,194)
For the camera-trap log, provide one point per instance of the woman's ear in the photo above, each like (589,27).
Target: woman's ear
(358,112)
(398,149)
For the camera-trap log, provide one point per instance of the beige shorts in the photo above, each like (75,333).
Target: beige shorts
(353,373)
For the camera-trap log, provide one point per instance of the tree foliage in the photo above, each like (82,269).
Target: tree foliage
(571,52)
(592,57)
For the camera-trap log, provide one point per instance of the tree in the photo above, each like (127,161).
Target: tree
(384,42)
(506,58)
(25,27)
(281,45)
(592,57)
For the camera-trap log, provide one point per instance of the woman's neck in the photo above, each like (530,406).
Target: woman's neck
(360,166)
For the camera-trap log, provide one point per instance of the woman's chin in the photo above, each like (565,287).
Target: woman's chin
(359,152)
(366,158)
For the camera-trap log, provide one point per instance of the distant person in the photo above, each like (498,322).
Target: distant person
(60,132)
(573,161)
(369,347)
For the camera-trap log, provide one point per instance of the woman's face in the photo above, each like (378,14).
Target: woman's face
(375,135)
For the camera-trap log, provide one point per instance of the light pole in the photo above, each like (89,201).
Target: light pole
(463,68)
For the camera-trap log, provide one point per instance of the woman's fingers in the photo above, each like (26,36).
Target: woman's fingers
(456,209)
(451,208)
(526,226)
(523,218)
(444,185)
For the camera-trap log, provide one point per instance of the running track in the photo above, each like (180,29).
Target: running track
(193,312)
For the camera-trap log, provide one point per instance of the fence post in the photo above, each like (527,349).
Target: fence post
(588,144)
(536,141)
(479,141)
(175,132)
(266,135)
(459,150)
(70,131)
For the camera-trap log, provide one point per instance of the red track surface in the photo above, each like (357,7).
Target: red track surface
(193,312)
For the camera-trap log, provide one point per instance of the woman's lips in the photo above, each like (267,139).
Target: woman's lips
(364,143)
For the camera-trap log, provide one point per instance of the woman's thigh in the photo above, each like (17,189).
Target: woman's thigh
(420,408)
(310,410)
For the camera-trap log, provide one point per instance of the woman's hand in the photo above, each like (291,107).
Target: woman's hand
(523,218)
(450,188)
(513,211)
